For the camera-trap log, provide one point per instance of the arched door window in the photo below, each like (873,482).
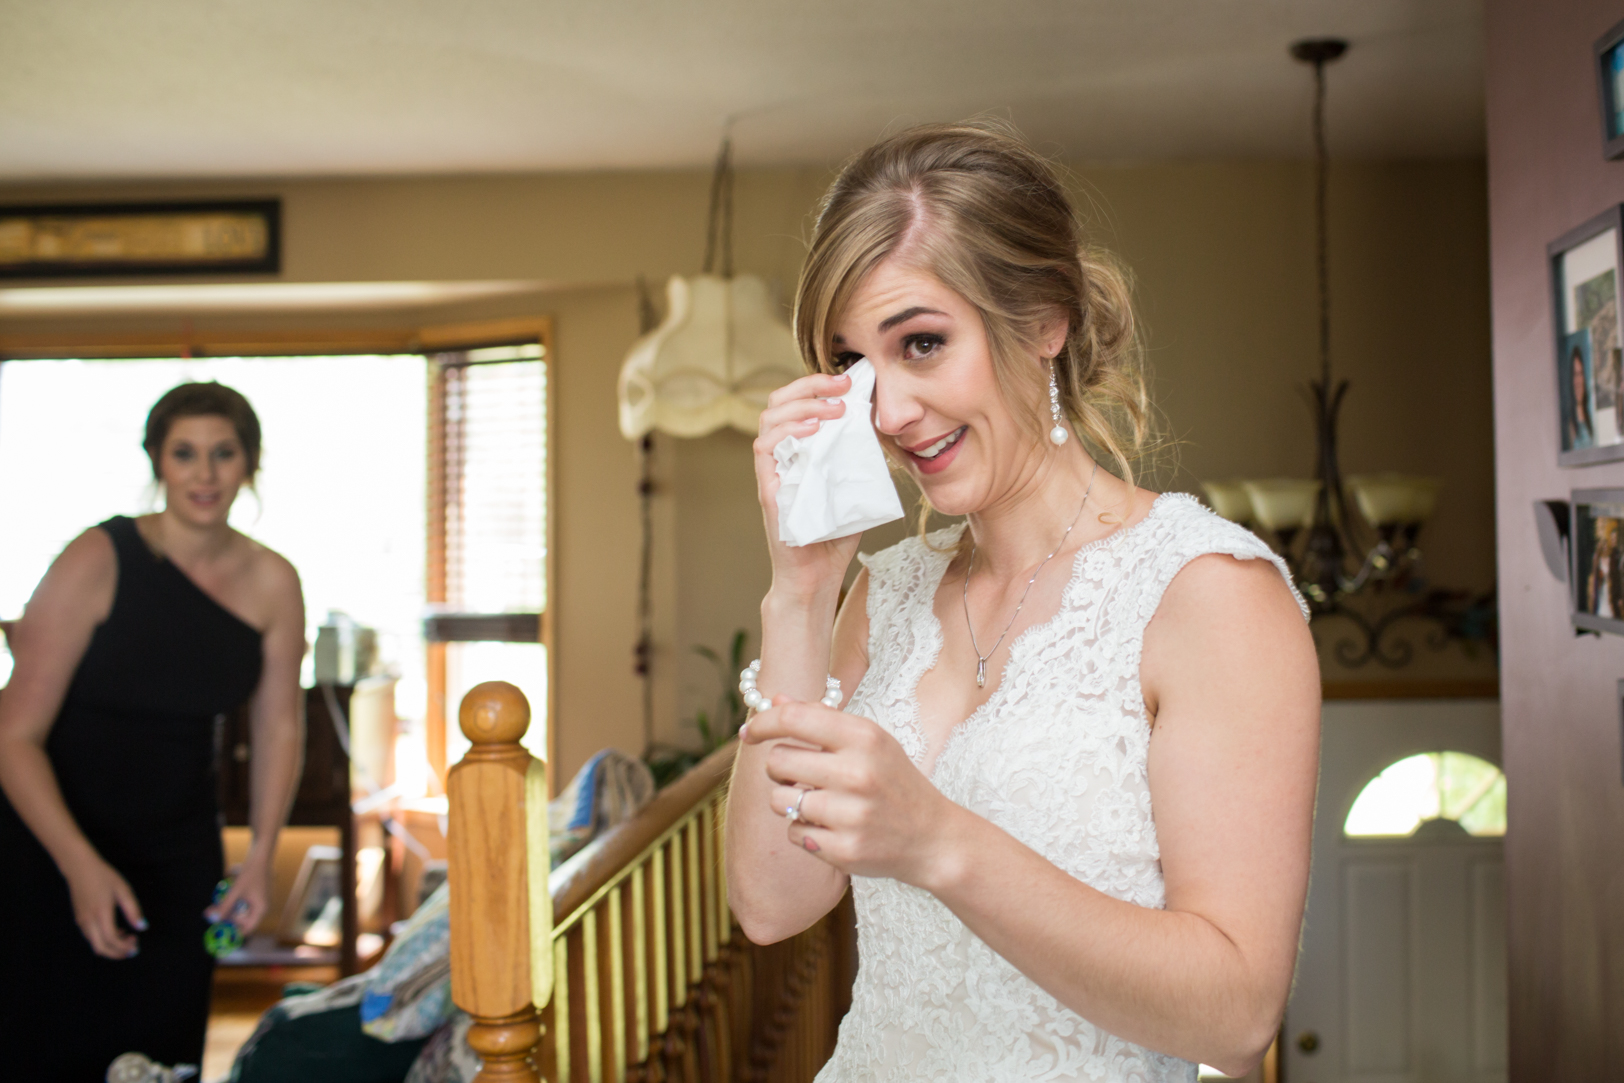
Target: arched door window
(1432,786)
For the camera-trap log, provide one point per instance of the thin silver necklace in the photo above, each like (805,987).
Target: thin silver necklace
(981,659)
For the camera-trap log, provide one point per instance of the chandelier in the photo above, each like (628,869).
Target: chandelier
(1334,553)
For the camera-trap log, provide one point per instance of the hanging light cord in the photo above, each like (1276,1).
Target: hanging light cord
(1321,223)
(719,227)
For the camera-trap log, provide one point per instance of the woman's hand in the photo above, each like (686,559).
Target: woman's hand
(244,904)
(865,808)
(798,409)
(99,892)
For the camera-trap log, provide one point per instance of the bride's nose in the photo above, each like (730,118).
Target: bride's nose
(894,408)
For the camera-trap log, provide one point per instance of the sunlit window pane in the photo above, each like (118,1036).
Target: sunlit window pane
(1448,785)
(496,528)
(340,492)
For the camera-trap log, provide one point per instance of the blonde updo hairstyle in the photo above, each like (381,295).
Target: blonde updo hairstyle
(977,208)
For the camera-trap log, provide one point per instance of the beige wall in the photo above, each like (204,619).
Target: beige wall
(1224,258)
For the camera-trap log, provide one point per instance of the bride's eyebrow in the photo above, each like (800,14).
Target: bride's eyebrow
(906,315)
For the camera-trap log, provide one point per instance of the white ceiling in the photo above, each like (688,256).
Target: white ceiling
(168,88)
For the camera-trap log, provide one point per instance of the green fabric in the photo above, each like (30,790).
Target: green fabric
(324,1047)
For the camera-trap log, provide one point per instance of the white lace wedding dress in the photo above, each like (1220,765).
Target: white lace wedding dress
(1057,758)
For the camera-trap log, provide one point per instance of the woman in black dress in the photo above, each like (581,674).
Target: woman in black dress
(141,633)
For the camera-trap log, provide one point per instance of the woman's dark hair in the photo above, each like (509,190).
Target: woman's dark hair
(203,400)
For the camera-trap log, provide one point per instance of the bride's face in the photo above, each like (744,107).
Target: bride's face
(937,404)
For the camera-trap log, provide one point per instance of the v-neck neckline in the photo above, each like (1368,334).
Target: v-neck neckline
(932,628)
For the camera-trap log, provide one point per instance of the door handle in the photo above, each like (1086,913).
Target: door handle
(1308,1041)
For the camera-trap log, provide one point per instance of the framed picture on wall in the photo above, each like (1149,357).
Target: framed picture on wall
(1585,284)
(198,237)
(1597,578)
(1610,84)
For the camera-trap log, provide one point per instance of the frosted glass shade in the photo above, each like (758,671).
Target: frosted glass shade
(719,353)
(1386,499)
(1283,503)
(1229,499)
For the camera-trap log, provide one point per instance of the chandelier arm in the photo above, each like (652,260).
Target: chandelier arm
(1393,654)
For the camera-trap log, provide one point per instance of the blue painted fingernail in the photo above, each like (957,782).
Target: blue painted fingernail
(141,925)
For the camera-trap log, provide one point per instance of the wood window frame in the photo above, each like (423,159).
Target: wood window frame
(454,628)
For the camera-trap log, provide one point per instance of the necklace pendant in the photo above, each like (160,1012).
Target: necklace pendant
(981,673)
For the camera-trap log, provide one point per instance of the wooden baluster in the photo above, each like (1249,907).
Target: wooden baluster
(675,920)
(588,1038)
(612,986)
(490,900)
(562,1040)
(716,1063)
(659,971)
(693,1019)
(638,982)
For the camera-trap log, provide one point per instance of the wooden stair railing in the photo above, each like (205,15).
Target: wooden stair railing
(653,981)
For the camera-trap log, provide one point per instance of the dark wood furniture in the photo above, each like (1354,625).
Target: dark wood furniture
(323,800)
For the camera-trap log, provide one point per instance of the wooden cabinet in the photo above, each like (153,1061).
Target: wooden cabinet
(323,800)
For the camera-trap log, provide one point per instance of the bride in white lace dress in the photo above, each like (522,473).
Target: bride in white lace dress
(1072,782)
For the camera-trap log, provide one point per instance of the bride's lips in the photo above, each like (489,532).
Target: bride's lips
(942,460)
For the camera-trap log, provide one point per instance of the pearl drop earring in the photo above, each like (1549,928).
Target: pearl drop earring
(1058,434)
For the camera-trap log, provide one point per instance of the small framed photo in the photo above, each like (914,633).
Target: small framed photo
(1621,708)
(1610,84)
(1585,285)
(313,913)
(1597,579)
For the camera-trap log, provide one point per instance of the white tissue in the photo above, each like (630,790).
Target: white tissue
(835,482)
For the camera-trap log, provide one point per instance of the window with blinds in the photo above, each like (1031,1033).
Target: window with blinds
(487,545)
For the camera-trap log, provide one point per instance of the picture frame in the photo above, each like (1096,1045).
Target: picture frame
(312,911)
(91,240)
(1596,576)
(1609,50)
(1620,690)
(1587,276)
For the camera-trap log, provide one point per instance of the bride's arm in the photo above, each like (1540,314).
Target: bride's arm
(775,888)
(775,891)
(1230,674)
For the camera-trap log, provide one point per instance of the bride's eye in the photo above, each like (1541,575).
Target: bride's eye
(846,359)
(919,347)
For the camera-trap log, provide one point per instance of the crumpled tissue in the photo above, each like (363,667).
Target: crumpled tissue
(835,482)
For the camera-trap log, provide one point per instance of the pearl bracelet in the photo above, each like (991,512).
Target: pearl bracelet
(754,700)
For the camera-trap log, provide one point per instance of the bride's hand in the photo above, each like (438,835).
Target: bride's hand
(865,808)
(797,409)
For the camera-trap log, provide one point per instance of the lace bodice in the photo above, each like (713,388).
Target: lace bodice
(1056,757)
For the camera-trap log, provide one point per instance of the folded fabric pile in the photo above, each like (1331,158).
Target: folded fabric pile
(611,787)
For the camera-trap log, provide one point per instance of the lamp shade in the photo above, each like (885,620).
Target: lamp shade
(719,353)
(1229,499)
(1283,503)
(1386,499)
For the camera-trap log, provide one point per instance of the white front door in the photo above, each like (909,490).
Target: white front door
(1402,977)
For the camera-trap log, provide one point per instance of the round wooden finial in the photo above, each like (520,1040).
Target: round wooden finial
(494,713)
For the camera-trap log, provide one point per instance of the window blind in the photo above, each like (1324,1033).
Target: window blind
(487,482)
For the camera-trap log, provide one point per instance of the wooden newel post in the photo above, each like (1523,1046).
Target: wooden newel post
(490,911)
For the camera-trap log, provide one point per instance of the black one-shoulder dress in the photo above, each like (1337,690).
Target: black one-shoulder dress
(133,750)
